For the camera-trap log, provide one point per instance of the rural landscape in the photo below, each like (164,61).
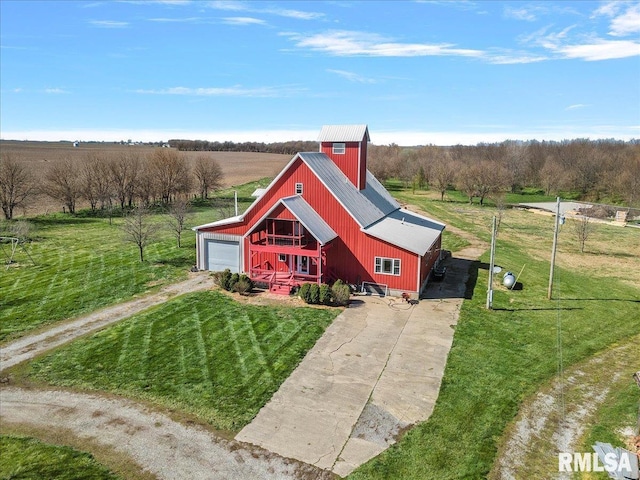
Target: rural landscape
(97,225)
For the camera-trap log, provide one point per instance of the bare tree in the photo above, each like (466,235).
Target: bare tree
(583,229)
(443,173)
(208,175)
(139,229)
(16,184)
(179,213)
(170,173)
(62,183)
(123,175)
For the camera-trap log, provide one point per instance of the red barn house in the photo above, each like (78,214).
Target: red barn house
(324,217)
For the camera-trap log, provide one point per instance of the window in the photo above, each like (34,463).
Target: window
(298,189)
(282,257)
(387,266)
(338,148)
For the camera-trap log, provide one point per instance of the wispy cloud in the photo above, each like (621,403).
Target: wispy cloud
(626,23)
(577,106)
(233,91)
(282,12)
(55,91)
(521,13)
(243,21)
(352,76)
(109,24)
(342,43)
(179,20)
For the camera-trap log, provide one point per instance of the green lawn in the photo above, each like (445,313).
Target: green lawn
(83,264)
(202,353)
(27,458)
(500,357)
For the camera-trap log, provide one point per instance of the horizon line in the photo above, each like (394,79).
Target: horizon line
(382,137)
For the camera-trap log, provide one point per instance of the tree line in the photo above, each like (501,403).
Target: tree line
(105,182)
(286,148)
(589,169)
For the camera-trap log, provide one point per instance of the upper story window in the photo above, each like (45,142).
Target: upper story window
(339,148)
(299,188)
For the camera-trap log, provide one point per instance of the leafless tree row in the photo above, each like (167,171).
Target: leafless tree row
(103,182)
(592,169)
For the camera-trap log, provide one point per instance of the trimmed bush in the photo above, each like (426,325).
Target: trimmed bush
(303,293)
(244,285)
(314,294)
(326,297)
(232,282)
(341,292)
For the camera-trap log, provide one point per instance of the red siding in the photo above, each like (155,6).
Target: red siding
(350,162)
(352,254)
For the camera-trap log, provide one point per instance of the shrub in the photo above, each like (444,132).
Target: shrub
(326,296)
(232,282)
(314,294)
(341,292)
(222,278)
(303,293)
(243,286)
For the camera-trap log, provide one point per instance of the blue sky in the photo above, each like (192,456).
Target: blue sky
(419,72)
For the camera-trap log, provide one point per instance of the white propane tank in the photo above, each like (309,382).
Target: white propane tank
(509,280)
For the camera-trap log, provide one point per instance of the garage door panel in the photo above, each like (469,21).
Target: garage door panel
(223,254)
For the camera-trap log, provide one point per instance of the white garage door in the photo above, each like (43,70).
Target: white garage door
(223,254)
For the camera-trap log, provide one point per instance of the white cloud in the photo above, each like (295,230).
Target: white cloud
(345,43)
(178,20)
(351,76)
(234,91)
(109,24)
(600,50)
(55,91)
(243,21)
(627,23)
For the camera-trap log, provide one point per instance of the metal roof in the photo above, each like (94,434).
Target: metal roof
(343,133)
(366,206)
(407,230)
(308,217)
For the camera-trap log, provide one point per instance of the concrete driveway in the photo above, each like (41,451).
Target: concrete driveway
(376,370)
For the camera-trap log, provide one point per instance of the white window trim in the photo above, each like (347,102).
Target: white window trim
(282,257)
(339,148)
(378,262)
(299,188)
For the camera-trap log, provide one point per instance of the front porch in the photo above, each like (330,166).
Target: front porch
(288,246)
(283,268)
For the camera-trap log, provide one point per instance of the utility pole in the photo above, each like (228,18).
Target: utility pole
(555,245)
(491,265)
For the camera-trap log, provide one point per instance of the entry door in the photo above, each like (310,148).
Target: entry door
(303,264)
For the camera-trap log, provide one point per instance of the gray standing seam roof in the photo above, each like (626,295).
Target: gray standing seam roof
(343,133)
(309,218)
(366,206)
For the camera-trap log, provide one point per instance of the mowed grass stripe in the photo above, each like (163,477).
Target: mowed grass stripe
(202,353)
(81,265)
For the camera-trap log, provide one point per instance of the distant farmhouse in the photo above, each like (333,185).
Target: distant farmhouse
(324,217)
